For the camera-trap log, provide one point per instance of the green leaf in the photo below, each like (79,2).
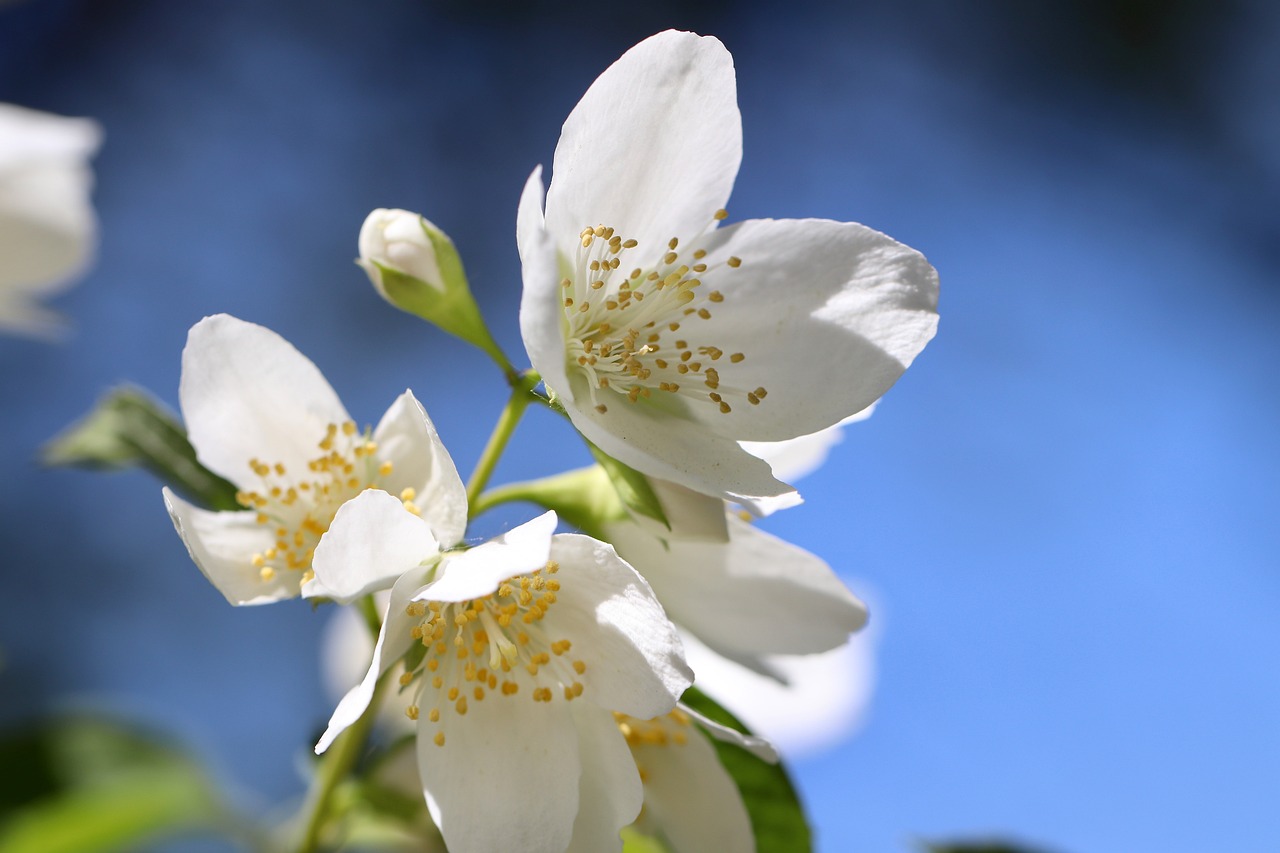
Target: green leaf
(777,817)
(128,428)
(632,487)
(96,786)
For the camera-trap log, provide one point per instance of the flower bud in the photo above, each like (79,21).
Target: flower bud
(415,267)
(404,242)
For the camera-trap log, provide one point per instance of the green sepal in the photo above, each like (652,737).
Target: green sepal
(777,816)
(584,498)
(128,428)
(89,785)
(635,842)
(632,487)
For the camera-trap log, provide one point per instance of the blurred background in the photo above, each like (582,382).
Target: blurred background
(1064,514)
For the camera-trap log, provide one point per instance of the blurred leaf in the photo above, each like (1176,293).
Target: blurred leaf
(632,487)
(128,428)
(82,785)
(777,815)
(983,846)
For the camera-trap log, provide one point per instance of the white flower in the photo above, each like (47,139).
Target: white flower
(47,227)
(690,800)
(667,339)
(517,654)
(805,703)
(260,414)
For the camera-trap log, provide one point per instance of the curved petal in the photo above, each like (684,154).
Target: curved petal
(755,594)
(609,791)
(505,778)
(372,541)
(653,147)
(222,545)
(690,798)
(682,451)
(827,314)
(247,393)
(407,438)
(479,571)
(821,699)
(635,663)
(393,641)
(541,312)
(757,746)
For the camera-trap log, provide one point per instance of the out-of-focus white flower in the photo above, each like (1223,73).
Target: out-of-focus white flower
(667,339)
(806,703)
(260,414)
(47,226)
(517,653)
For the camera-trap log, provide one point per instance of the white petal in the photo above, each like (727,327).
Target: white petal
(653,147)
(799,457)
(609,790)
(372,541)
(682,451)
(31,136)
(541,312)
(393,641)
(222,545)
(822,700)
(755,594)
(407,438)
(758,746)
(692,799)
(635,663)
(247,393)
(506,777)
(480,570)
(828,315)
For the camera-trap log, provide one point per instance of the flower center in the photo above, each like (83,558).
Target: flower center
(301,507)
(626,331)
(498,645)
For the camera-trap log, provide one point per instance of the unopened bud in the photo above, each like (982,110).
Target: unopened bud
(415,267)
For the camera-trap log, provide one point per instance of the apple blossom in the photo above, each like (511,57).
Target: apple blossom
(260,414)
(47,227)
(667,339)
(516,654)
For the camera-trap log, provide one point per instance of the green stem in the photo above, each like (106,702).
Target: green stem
(520,399)
(342,756)
(335,766)
(501,495)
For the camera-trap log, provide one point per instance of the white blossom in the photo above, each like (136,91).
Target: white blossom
(47,226)
(260,414)
(668,339)
(517,654)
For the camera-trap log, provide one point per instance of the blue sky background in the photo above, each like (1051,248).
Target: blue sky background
(1066,510)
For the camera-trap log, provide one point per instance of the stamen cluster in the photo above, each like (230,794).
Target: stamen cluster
(619,327)
(491,646)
